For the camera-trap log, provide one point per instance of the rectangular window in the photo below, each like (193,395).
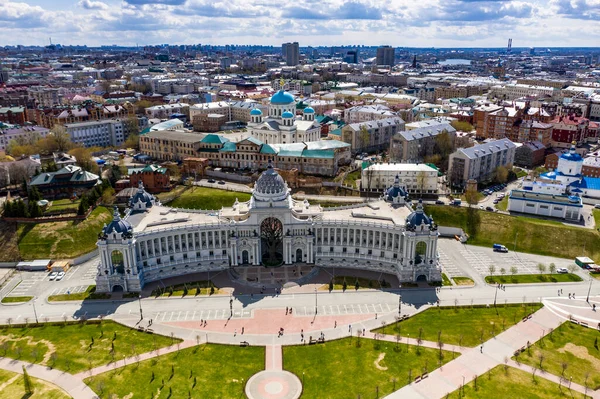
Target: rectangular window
(356,250)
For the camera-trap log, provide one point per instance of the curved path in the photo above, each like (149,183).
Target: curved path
(69,383)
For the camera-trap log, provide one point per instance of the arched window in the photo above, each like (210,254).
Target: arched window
(117,260)
(420,251)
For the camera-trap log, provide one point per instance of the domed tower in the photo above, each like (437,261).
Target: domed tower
(421,245)
(287,118)
(396,194)
(142,200)
(117,270)
(570,165)
(270,188)
(256,116)
(308,114)
(281,102)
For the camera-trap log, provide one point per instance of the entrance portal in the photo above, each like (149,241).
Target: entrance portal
(117,288)
(271,234)
(421,277)
(299,255)
(245,258)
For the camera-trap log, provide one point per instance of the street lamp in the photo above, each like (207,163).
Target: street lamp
(34,312)
(140,302)
(315,301)
(496,294)
(399,305)
(589,290)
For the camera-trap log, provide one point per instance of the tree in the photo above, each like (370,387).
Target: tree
(61,138)
(513,270)
(572,268)
(462,126)
(473,221)
(492,269)
(502,271)
(133,141)
(84,159)
(421,179)
(542,268)
(501,174)
(108,196)
(472,195)
(364,137)
(552,268)
(27,382)
(271,232)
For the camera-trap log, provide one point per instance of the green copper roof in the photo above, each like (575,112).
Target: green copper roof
(214,139)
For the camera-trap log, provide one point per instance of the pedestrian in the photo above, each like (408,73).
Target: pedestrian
(569,295)
(286,310)
(290,310)
(375,316)
(349,328)
(481,348)
(242,330)
(363,332)
(594,307)
(204,323)
(335,324)
(235,332)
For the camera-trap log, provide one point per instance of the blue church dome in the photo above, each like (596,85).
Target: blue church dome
(418,217)
(256,111)
(142,196)
(117,225)
(572,156)
(282,98)
(395,191)
(309,110)
(287,114)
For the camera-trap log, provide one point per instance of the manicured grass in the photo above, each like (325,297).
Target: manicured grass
(503,383)
(470,323)
(329,204)
(521,173)
(533,278)
(445,282)
(16,299)
(340,369)
(573,345)
(69,347)
(463,280)
(480,196)
(363,283)
(595,275)
(503,205)
(205,371)
(536,236)
(62,239)
(351,178)
(64,205)
(89,293)
(13,387)
(192,289)
(207,198)
(596,213)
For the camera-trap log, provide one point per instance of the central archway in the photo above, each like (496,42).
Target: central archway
(420,251)
(299,255)
(271,235)
(244,257)
(118,262)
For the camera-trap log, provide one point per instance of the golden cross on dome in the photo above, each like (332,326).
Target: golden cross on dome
(282,82)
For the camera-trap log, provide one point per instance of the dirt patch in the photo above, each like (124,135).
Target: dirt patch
(31,342)
(9,249)
(582,353)
(379,359)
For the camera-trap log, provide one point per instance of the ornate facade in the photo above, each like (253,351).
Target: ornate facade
(154,242)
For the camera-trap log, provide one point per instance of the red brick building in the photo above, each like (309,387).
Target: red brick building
(156,179)
(570,128)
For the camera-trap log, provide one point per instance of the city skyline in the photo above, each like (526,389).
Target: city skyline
(429,23)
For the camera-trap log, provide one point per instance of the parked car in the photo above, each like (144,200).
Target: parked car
(562,270)
(440,202)
(480,206)
(211,180)
(221,182)
(499,248)
(53,276)
(60,276)
(489,209)
(597,206)
(496,201)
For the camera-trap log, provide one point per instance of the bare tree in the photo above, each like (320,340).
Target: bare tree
(563,367)
(271,232)
(542,357)
(506,364)
(492,269)
(552,268)
(541,267)
(514,270)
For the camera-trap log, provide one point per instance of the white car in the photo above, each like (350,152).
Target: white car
(53,276)
(597,206)
(562,270)
(60,276)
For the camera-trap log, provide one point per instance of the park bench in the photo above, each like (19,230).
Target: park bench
(244,344)
(418,379)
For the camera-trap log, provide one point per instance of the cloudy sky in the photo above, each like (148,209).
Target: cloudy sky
(411,23)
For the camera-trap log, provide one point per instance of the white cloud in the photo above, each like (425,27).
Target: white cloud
(93,5)
(439,23)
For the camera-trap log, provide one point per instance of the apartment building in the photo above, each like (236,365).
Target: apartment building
(414,145)
(415,178)
(377,137)
(364,113)
(480,162)
(102,133)
(515,91)
(291,53)
(233,110)
(386,56)
(6,135)
(164,111)
(170,146)
(44,96)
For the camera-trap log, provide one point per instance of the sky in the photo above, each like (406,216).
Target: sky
(402,23)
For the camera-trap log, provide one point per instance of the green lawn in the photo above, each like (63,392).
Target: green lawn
(340,369)
(351,178)
(205,371)
(207,198)
(572,345)
(69,347)
(89,293)
(503,383)
(64,205)
(329,204)
(193,288)
(480,196)
(595,275)
(503,205)
(536,236)
(533,278)
(363,283)
(445,282)
(463,280)
(16,299)
(596,213)
(13,387)
(521,173)
(62,239)
(470,323)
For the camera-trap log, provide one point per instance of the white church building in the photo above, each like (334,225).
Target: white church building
(282,126)
(154,242)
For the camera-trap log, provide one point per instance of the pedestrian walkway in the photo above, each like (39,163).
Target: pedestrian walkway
(478,360)
(69,383)
(274,382)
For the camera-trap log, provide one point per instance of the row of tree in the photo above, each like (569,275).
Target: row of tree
(91,197)
(19,209)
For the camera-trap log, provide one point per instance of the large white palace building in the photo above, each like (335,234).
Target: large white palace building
(154,242)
